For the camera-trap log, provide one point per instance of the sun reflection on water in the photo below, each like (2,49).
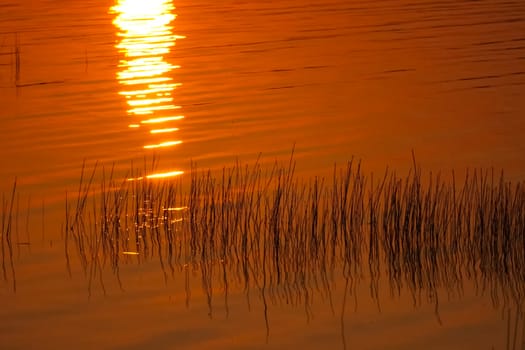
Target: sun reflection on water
(145,38)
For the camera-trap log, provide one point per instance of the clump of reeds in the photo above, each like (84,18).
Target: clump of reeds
(266,229)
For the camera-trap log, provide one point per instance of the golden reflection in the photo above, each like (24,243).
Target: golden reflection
(157,175)
(130,253)
(164,144)
(161,120)
(145,39)
(162,131)
(168,174)
(177,208)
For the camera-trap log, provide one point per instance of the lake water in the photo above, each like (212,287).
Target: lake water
(127,83)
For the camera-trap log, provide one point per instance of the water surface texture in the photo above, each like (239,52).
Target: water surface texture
(149,89)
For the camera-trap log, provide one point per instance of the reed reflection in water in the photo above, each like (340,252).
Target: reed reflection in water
(146,38)
(263,231)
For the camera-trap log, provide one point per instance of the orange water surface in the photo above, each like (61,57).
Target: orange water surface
(160,85)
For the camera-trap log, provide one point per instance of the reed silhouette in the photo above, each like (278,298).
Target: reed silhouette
(6,243)
(288,238)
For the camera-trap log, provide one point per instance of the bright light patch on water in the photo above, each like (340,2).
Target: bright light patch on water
(144,38)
